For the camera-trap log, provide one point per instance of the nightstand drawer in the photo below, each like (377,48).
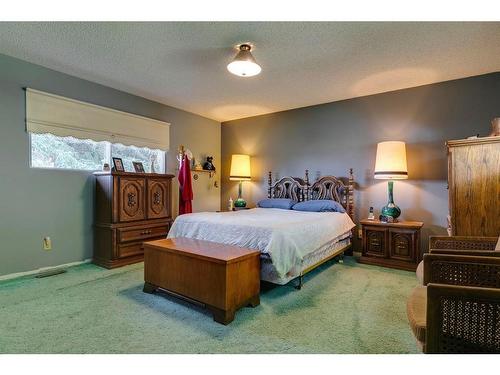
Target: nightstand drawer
(402,244)
(374,241)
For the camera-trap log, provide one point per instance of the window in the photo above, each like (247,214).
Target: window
(145,155)
(51,151)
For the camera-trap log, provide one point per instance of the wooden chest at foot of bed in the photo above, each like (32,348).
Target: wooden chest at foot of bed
(220,277)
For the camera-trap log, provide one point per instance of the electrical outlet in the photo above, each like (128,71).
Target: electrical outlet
(47,243)
(360,233)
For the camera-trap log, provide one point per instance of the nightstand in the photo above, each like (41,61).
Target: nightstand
(394,245)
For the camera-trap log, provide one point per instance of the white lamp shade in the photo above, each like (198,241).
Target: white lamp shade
(244,68)
(391,161)
(240,168)
(244,64)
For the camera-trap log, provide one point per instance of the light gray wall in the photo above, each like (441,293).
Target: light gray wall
(38,202)
(330,138)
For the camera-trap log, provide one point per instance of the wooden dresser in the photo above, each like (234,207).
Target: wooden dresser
(395,245)
(474,186)
(129,208)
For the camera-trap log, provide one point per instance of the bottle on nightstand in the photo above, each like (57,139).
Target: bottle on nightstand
(371,216)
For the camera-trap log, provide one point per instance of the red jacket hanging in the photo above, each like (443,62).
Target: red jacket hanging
(185,187)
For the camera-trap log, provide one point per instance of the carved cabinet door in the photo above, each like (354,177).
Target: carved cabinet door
(375,240)
(158,198)
(402,244)
(131,199)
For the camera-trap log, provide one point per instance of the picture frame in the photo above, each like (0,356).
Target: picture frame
(118,165)
(139,168)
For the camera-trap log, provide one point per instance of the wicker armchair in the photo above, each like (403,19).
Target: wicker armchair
(463,245)
(458,308)
(459,245)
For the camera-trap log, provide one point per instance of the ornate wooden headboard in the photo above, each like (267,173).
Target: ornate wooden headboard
(287,187)
(326,187)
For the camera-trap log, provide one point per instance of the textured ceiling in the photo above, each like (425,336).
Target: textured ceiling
(184,64)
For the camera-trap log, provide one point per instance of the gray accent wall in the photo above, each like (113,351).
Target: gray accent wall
(40,202)
(330,138)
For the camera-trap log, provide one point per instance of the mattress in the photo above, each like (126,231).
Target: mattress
(268,271)
(286,237)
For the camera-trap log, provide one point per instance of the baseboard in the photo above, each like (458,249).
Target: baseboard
(37,271)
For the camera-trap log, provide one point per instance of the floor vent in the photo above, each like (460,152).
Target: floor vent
(50,272)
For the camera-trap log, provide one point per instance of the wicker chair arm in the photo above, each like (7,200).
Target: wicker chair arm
(461,243)
(487,253)
(462,319)
(465,270)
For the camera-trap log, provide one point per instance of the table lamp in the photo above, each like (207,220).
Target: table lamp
(240,171)
(391,165)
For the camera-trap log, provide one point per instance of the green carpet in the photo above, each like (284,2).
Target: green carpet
(342,308)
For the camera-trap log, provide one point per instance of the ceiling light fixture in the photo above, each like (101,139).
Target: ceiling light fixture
(244,64)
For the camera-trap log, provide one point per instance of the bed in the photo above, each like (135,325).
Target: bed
(291,243)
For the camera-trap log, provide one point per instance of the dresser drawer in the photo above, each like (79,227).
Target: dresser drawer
(129,249)
(142,233)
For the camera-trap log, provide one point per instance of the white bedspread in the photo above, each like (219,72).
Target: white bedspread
(285,235)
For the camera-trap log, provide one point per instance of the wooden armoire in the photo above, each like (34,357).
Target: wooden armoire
(474,186)
(130,208)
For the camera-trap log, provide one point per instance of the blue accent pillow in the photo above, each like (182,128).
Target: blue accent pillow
(319,205)
(283,203)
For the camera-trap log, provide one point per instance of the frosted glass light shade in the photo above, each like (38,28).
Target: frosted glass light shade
(244,64)
(391,161)
(240,168)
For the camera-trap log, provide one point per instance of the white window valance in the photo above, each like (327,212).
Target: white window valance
(49,113)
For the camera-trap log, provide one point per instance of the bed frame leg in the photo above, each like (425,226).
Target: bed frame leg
(300,282)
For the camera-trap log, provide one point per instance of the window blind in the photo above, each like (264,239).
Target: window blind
(49,113)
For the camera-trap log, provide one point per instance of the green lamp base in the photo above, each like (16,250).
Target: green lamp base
(240,202)
(390,209)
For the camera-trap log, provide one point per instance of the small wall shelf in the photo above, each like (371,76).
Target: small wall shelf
(195,171)
(202,170)
(199,170)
